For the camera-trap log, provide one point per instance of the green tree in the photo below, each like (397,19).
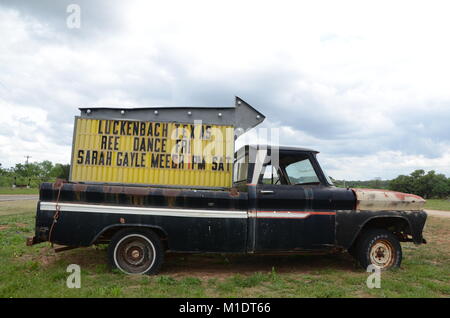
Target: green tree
(440,186)
(427,185)
(61,171)
(402,184)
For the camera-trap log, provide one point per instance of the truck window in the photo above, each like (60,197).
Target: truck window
(270,175)
(301,172)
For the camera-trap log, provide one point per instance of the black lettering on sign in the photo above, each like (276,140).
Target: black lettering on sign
(119,159)
(156,145)
(150,129)
(109,143)
(163,145)
(167,162)
(136,143)
(101,159)
(160,163)
(94,157)
(217,164)
(155,160)
(137,160)
(107,127)
(88,157)
(80,156)
(182,146)
(125,159)
(100,131)
(108,158)
(128,128)
(165,130)
(115,129)
(142,160)
(198,162)
(103,143)
(136,128)
(164,161)
(149,144)
(122,128)
(104,158)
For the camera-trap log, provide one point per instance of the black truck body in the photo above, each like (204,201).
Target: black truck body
(261,213)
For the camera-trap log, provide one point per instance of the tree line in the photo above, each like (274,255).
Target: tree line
(428,185)
(33,173)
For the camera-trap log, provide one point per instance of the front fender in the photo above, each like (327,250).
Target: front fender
(349,224)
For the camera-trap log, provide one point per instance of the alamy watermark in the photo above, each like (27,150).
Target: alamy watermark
(73,20)
(74,279)
(374,279)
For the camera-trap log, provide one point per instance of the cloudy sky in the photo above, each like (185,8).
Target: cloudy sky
(367,83)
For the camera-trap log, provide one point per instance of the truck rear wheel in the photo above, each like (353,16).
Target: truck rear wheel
(136,251)
(380,248)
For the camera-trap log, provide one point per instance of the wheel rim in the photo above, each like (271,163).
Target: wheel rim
(382,254)
(134,254)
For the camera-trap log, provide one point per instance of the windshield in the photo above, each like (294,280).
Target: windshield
(301,172)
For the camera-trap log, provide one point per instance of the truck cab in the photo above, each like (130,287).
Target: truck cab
(292,204)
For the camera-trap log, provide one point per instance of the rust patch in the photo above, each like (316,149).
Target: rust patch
(58,183)
(385,200)
(113,189)
(171,196)
(234,192)
(171,192)
(137,191)
(78,187)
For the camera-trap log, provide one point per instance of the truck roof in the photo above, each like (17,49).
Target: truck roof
(280,148)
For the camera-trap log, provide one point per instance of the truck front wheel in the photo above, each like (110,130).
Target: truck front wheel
(136,251)
(380,248)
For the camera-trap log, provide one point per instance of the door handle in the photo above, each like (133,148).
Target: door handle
(266,191)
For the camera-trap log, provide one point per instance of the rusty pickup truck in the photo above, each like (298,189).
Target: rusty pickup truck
(280,201)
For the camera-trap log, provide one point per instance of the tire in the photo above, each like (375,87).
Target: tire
(136,251)
(380,248)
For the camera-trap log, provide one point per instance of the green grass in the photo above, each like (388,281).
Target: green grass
(438,204)
(38,272)
(7,190)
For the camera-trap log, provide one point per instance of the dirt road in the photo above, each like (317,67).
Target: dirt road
(443,214)
(18,197)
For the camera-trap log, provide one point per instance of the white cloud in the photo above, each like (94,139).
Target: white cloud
(365,83)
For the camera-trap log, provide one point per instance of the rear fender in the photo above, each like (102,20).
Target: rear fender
(113,228)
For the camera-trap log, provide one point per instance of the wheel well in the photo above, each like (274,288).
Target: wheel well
(396,225)
(107,234)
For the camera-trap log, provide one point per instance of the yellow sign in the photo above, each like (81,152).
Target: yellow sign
(158,153)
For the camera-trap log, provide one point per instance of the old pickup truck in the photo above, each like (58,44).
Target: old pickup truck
(280,201)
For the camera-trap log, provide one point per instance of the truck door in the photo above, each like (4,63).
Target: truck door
(293,211)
